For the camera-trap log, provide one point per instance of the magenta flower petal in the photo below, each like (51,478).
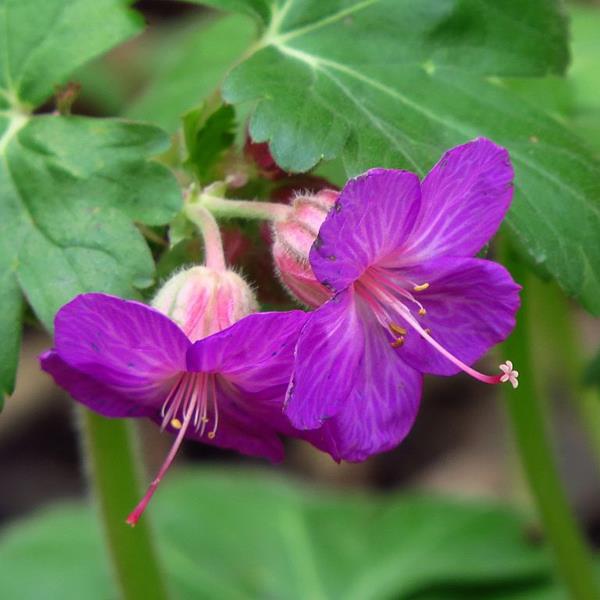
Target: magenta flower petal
(383,404)
(371,219)
(90,392)
(471,305)
(124,344)
(327,356)
(255,351)
(464,199)
(379,393)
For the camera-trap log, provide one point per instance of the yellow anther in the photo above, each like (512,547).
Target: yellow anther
(422,312)
(420,288)
(176,424)
(397,329)
(397,343)
(211,435)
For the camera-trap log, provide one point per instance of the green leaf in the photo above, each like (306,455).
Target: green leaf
(325,86)
(10,325)
(584,75)
(209,131)
(44,41)
(189,66)
(70,187)
(239,535)
(575,98)
(484,36)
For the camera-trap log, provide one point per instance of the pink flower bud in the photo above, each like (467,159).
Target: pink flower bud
(293,239)
(203,301)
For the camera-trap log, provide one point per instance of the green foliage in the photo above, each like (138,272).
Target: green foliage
(69,186)
(327,87)
(44,41)
(262,537)
(584,75)
(189,65)
(592,371)
(209,131)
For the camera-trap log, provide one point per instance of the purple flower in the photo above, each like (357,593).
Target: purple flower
(409,297)
(124,359)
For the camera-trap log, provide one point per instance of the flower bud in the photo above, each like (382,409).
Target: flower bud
(294,237)
(203,301)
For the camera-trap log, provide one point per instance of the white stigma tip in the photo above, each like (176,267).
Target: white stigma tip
(509,374)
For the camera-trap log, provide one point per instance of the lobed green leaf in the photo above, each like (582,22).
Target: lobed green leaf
(325,86)
(70,187)
(44,41)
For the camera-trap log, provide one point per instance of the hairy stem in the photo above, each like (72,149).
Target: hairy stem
(214,257)
(246,209)
(529,426)
(113,474)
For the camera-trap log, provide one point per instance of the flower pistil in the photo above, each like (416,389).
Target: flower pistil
(191,402)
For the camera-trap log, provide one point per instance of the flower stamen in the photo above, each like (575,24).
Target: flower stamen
(213,433)
(421,287)
(189,395)
(395,328)
(398,342)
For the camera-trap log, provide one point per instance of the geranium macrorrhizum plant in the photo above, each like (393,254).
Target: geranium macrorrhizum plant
(385,268)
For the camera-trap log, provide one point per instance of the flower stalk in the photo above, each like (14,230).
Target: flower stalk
(246,209)
(529,427)
(214,256)
(557,326)
(114,477)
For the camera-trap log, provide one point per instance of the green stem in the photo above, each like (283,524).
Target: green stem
(248,209)
(530,431)
(113,473)
(560,333)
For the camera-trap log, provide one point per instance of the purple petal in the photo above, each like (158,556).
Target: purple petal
(125,345)
(327,355)
(383,405)
(370,220)
(256,352)
(464,199)
(90,392)
(471,305)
